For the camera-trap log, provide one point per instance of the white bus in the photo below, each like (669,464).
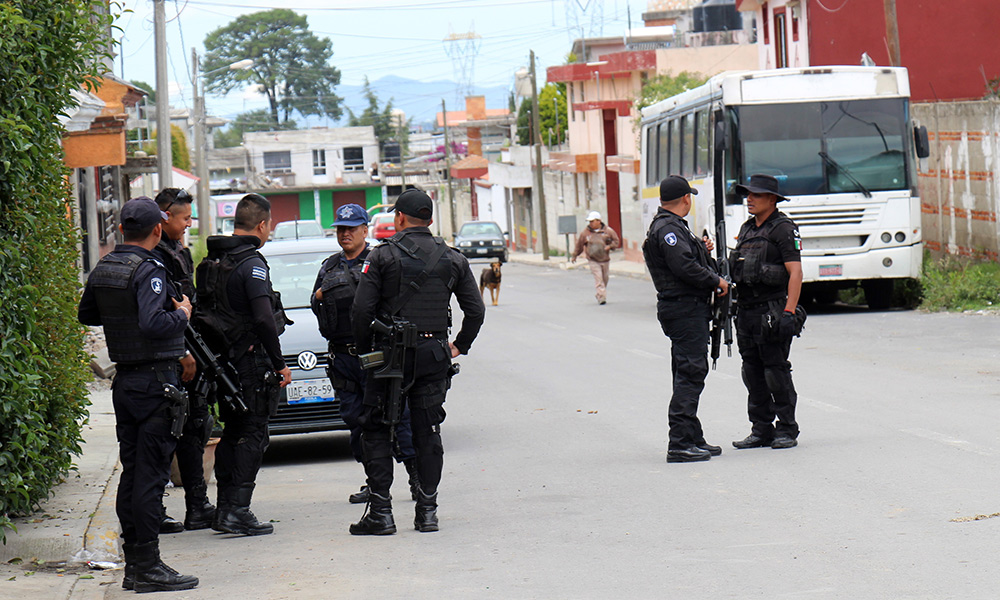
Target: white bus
(842,146)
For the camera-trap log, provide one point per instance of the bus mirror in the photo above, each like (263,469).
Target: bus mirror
(923,146)
(720,136)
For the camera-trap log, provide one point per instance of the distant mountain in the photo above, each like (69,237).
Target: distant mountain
(421,100)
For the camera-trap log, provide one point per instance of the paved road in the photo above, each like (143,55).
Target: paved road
(556,486)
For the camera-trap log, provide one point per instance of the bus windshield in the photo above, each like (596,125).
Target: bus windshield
(826,147)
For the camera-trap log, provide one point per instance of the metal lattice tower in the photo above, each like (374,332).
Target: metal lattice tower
(463,48)
(584,19)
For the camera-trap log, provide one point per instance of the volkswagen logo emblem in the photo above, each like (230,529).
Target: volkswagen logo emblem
(307,361)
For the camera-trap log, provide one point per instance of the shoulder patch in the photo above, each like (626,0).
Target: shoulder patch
(259,273)
(157,284)
(364,267)
(670,239)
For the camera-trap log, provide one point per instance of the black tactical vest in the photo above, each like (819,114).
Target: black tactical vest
(428,309)
(225,331)
(116,301)
(658,270)
(180,267)
(339,283)
(750,266)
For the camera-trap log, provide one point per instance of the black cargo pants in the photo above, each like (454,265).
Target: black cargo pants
(685,321)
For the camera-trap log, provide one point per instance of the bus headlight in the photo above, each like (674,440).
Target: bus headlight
(886,237)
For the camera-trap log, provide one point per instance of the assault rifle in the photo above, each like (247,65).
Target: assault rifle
(214,373)
(722,326)
(397,336)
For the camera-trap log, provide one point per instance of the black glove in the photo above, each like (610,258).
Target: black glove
(787,326)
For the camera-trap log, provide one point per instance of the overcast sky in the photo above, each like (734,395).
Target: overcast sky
(375,38)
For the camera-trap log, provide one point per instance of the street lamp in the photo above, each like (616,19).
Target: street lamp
(204,203)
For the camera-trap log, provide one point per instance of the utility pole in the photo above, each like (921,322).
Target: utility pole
(537,141)
(447,162)
(164,160)
(891,31)
(201,162)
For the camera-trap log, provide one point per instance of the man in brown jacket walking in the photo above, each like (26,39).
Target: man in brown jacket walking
(597,240)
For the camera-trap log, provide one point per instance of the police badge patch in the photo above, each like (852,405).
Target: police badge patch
(157,284)
(670,239)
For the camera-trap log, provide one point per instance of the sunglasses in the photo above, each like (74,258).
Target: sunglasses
(182,197)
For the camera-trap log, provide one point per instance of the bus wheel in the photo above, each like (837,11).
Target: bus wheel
(878,293)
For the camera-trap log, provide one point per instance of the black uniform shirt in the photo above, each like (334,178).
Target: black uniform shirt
(153,291)
(249,290)
(382,266)
(343,306)
(679,262)
(179,264)
(786,247)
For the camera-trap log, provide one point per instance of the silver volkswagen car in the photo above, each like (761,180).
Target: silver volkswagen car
(308,403)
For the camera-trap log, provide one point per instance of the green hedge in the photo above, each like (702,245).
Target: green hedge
(47,49)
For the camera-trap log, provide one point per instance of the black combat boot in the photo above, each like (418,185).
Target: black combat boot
(224,504)
(426,512)
(377,519)
(151,575)
(128,582)
(169,524)
(238,519)
(200,512)
(360,496)
(411,470)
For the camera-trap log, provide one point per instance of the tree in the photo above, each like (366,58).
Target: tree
(151,98)
(548,97)
(385,123)
(255,120)
(180,156)
(291,65)
(666,85)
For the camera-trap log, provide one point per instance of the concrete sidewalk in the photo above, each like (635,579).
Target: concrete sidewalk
(48,556)
(619,266)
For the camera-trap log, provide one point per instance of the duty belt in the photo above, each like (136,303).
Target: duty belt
(694,299)
(157,365)
(432,334)
(344,349)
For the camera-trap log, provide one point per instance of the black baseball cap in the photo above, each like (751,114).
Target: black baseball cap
(674,187)
(415,203)
(141,213)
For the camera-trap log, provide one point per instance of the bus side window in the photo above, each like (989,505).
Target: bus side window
(652,156)
(687,151)
(702,162)
(675,147)
(663,151)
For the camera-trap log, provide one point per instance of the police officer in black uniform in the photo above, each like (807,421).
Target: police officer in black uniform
(247,309)
(412,260)
(767,269)
(176,257)
(333,295)
(130,295)
(685,277)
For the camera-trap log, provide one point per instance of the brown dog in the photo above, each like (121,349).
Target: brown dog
(491,279)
